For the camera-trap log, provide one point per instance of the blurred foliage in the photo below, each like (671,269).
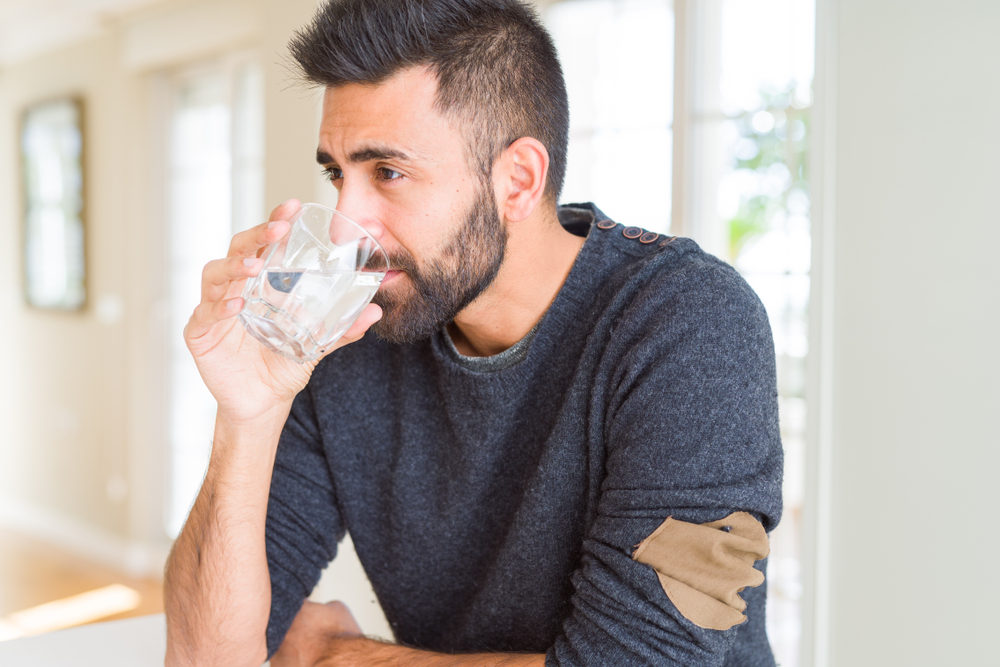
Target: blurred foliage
(773,146)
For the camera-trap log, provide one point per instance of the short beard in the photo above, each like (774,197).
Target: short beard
(464,268)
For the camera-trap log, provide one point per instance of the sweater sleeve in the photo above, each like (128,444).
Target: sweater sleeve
(303,525)
(672,563)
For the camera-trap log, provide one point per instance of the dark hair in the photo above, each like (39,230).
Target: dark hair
(498,74)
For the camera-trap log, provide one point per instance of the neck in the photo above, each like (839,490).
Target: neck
(540,254)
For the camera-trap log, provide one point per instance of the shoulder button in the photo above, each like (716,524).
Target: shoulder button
(606,224)
(631,232)
(648,237)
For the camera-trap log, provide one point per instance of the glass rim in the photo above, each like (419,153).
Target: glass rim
(324,207)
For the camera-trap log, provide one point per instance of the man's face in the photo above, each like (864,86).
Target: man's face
(402,170)
(447,282)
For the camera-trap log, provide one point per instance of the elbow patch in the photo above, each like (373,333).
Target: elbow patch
(704,567)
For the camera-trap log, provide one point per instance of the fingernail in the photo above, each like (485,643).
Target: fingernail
(250,262)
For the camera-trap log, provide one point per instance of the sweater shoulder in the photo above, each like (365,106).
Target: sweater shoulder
(668,277)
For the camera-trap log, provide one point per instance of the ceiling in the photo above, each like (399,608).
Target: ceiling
(31,27)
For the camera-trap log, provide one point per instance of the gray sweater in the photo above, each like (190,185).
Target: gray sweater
(496,505)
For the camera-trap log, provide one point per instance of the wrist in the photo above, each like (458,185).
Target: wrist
(353,651)
(234,422)
(249,442)
(359,651)
(232,426)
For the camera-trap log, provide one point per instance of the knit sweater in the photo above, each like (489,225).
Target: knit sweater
(497,506)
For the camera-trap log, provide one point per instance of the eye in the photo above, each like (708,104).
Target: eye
(387,174)
(333,174)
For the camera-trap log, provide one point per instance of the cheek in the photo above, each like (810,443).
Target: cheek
(423,214)
(409,237)
(424,228)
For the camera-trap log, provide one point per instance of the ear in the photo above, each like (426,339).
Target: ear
(520,178)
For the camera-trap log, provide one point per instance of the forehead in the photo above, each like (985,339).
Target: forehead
(398,113)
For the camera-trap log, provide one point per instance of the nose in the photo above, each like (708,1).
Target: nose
(356,203)
(369,223)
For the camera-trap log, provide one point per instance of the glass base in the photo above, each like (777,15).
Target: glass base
(279,334)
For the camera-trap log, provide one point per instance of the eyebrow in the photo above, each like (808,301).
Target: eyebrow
(365,154)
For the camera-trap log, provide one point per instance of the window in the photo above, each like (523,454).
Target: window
(214,188)
(692,116)
(618,59)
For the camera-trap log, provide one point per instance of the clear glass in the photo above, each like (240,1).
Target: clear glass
(314,284)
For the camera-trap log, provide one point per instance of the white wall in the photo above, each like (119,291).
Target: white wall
(915,381)
(81,403)
(63,438)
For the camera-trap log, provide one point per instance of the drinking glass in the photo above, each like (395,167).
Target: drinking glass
(315,282)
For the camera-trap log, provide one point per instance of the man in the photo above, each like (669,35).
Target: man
(560,445)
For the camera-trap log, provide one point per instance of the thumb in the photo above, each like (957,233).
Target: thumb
(371,314)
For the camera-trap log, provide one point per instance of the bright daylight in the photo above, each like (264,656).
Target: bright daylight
(481,332)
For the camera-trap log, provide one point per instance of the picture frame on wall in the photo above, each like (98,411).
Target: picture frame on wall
(52,195)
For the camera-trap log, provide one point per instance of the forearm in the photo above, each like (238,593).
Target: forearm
(364,652)
(217,590)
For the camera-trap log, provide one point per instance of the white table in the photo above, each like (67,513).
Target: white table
(133,642)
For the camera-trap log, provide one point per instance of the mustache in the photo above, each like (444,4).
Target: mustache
(397,262)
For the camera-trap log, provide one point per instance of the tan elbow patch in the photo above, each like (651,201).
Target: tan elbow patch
(704,567)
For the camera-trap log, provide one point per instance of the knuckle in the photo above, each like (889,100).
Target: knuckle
(213,266)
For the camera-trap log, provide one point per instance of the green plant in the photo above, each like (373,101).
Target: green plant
(773,145)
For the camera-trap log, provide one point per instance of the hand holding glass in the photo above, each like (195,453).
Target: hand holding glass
(314,284)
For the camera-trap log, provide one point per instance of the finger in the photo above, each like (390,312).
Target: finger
(252,242)
(342,618)
(371,314)
(285,210)
(223,278)
(207,315)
